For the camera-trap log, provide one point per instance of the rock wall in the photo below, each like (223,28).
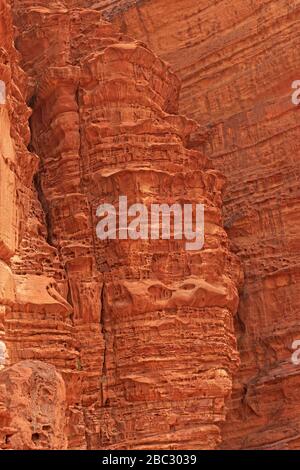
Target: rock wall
(140,331)
(30,305)
(102,124)
(237,61)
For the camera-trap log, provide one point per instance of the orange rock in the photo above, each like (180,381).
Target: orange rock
(32,407)
(141,331)
(237,61)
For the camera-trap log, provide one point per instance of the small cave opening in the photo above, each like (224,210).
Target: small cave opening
(46,427)
(35,437)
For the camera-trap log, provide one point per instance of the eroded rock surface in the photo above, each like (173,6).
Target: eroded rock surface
(237,60)
(32,407)
(141,331)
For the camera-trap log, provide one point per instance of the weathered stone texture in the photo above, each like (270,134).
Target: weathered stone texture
(141,331)
(32,407)
(237,61)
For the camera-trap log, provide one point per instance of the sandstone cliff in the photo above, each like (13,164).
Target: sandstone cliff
(237,60)
(134,339)
(142,333)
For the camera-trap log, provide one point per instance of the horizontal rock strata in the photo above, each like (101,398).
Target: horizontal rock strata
(237,61)
(141,331)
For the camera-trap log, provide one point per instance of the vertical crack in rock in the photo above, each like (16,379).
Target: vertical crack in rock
(44,205)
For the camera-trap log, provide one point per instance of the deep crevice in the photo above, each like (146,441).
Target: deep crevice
(41,197)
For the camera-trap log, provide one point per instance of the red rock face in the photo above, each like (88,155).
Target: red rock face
(237,61)
(141,331)
(32,312)
(32,407)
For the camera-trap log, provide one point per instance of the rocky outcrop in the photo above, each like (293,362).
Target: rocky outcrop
(98,133)
(237,61)
(32,407)
(141,331)
(33,314)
